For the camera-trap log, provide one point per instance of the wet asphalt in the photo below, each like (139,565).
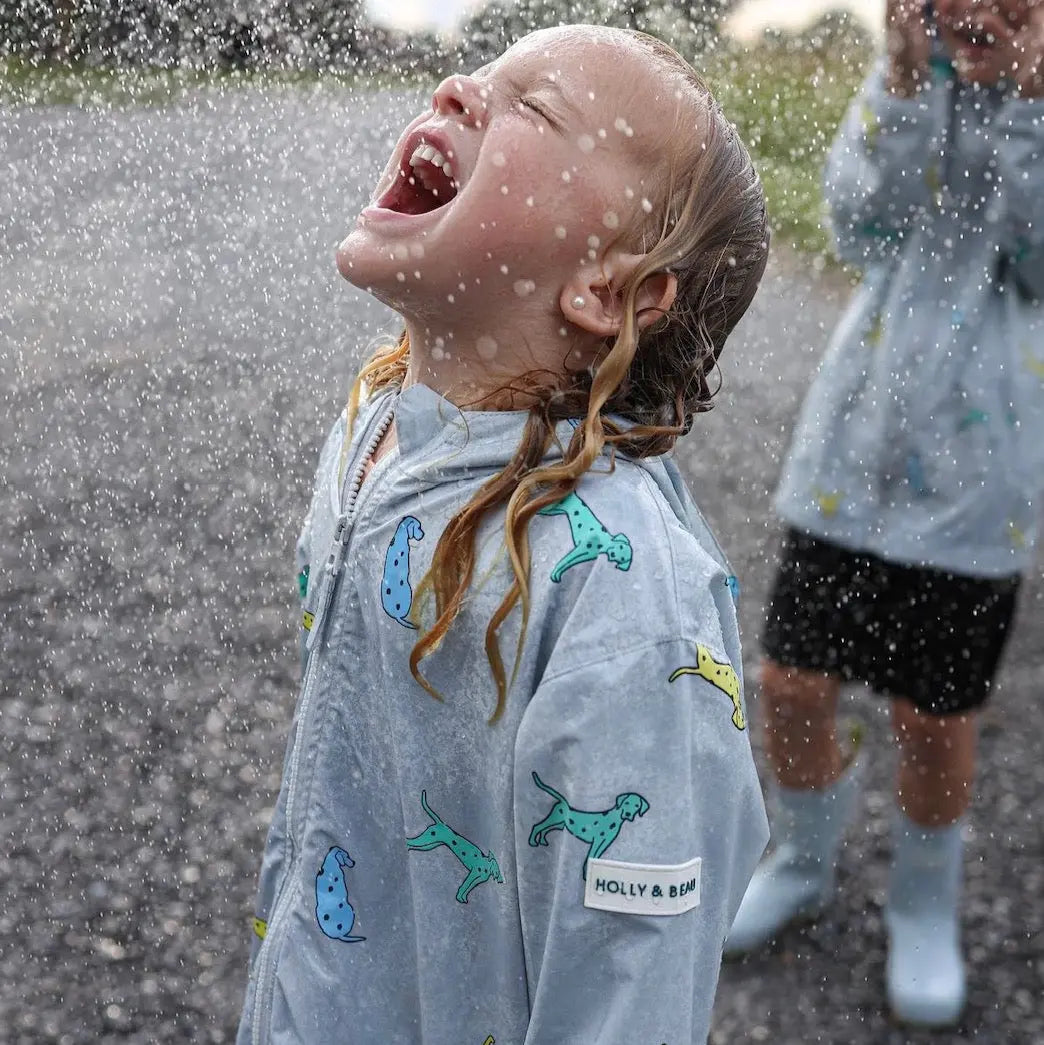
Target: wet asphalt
(174,341)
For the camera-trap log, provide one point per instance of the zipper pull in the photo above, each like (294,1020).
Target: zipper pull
(333,566)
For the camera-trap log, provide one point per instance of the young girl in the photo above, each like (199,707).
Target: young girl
(912,484)
(519,803)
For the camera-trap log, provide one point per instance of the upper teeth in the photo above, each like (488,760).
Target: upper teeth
(433,156)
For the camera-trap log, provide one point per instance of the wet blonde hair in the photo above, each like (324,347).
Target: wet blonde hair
(710,230)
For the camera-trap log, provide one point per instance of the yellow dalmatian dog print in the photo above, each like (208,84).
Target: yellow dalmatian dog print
(720,674)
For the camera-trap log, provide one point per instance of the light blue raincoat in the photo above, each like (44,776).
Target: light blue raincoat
(566,875)
(922,438)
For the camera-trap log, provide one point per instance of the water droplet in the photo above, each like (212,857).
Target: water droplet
(524,287)
(585,143)
(566,176)
(486,347)
(560,232)
(499,159)
(503,190)
(646,205)
(593,241)
(400,276)
(611,220)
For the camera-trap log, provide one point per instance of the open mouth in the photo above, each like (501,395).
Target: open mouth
(979,39)
(976,37)
(424,183)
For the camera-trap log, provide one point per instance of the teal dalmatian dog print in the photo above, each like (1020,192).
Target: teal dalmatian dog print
(396,593)
(590,537)
(334,913)
(597,830)
(481,867)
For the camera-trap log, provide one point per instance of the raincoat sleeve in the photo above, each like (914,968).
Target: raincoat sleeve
(1018,142)
(638,823)
(303,560)
(883,169)
(305,551)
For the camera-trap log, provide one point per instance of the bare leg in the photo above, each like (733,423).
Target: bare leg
(800,716)
(936,763)
(814,801)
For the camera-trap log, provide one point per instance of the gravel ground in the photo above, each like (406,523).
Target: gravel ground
(173,342)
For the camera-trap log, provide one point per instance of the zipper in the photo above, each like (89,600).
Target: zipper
(334,564)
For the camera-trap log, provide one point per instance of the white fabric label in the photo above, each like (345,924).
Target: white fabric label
(613,885)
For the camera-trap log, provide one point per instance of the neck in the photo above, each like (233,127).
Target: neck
(482,368)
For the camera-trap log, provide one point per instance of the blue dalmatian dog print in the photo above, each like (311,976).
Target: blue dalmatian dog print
(396,593)
(335,914)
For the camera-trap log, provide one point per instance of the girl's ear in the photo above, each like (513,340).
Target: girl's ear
(593,299)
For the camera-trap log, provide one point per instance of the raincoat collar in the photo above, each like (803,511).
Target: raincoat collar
(423,417)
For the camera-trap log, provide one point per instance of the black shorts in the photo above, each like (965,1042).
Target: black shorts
(931,636)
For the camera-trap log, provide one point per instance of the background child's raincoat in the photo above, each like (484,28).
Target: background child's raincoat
(922,439)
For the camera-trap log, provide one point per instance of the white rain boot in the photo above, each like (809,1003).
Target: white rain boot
(925,974)
(797,880)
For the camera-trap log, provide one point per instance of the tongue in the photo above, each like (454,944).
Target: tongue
(420,190)
(435,187)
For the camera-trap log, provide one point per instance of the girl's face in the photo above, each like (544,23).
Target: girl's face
(981,35)
(519,173)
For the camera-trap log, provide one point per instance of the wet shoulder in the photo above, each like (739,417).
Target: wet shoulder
(617,547)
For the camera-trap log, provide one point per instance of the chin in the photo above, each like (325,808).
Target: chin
(357,263)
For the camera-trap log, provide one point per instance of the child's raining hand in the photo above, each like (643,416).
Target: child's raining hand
(909,36)
(1028,55)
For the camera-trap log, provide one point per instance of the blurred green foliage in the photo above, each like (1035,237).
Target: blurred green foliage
(787,103)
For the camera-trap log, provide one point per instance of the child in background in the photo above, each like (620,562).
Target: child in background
(911,489)
(519,802)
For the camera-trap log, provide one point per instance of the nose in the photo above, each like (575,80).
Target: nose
(462,97)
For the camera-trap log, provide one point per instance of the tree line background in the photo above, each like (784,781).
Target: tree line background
(309,34)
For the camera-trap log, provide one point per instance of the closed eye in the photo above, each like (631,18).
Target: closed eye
(526,102)
(529,103)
